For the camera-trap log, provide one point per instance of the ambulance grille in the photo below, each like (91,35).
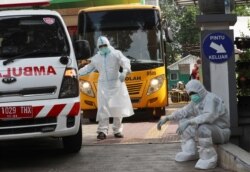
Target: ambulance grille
(30,91)
(27,125)
(134,88)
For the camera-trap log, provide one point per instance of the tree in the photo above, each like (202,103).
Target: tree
(185,32)
(189,33)
(169,11)
(242,10)
(182,21)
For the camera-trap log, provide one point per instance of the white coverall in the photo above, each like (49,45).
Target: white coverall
(112,96)
(210,119)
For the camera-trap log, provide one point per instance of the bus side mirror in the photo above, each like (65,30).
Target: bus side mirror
(82,49)
(169,34)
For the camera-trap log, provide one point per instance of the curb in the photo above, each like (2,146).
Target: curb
(233,158)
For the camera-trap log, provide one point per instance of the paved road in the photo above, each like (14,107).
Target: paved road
(136,129)
(144,149)
(41,156)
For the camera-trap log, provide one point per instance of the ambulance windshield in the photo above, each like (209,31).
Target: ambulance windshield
(21,35)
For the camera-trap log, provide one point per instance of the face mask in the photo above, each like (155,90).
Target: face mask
(195,98)
(104,50)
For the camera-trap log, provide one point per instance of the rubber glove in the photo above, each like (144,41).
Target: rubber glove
(182,127)
(162,121)
(123,76)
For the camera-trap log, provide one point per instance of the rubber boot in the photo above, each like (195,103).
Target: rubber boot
(189,151)
(208,155)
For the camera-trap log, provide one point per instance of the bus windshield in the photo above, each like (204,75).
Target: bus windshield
(134,32)
(32,36)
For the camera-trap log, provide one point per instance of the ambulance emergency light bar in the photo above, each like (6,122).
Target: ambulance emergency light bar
(23,3)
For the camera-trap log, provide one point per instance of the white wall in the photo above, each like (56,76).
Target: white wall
(241,26)
(152,2)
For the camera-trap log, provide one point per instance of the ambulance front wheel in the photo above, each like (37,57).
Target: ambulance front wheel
(73,144)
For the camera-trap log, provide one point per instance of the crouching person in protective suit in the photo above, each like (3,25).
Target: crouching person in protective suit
(207,116)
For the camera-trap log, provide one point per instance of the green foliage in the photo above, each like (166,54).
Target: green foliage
(189,32)
(242,10)
(245,56)
(182,21)
(243,73)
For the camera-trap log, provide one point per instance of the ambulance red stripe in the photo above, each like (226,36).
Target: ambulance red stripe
(75,109)
(56,109)
(36,110)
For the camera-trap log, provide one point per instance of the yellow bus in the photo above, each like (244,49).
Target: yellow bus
(137,31)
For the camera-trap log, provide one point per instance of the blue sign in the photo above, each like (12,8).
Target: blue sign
(218,47)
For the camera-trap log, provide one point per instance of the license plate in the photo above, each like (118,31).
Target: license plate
(13,112)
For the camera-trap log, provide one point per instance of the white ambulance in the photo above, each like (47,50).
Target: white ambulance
(39,89)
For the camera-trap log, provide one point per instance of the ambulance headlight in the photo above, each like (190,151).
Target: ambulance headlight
(155,84)
(86,88)
(70,84)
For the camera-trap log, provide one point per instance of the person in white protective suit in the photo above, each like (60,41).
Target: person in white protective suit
(207,117)
(112,95)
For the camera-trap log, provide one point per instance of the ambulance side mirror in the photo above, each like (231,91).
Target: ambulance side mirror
(82,49)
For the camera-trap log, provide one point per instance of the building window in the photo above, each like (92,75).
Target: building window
(173,76)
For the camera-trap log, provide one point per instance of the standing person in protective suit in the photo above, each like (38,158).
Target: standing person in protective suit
(207,117)
(112,96)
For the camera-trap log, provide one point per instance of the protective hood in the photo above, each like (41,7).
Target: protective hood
(102,40)
(195,86)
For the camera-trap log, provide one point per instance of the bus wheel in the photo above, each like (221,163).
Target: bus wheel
(156,117)
(73,144)
(93,120)
(158,112)
(90,114)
